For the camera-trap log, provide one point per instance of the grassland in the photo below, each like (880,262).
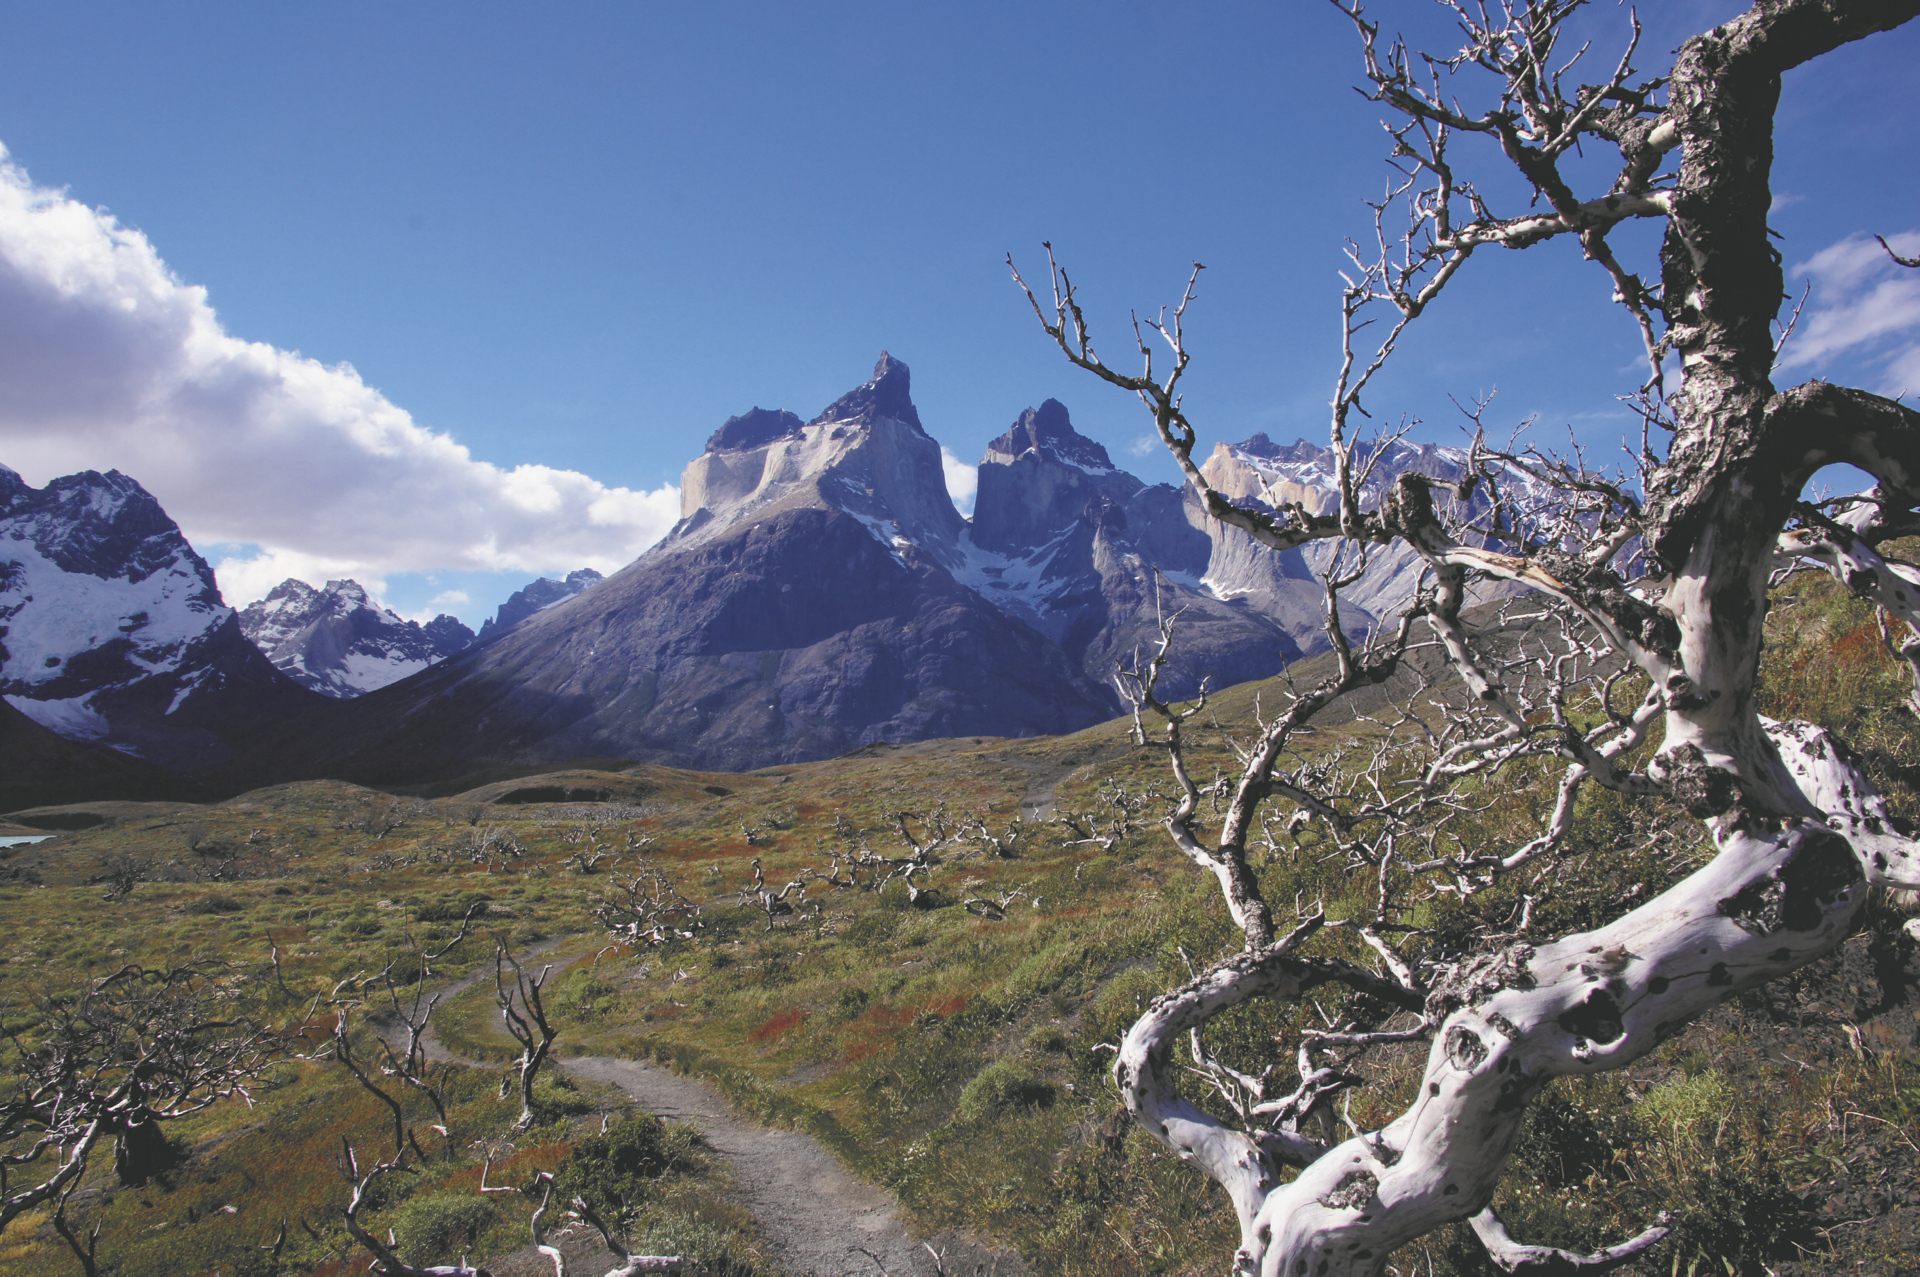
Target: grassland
(954,1052)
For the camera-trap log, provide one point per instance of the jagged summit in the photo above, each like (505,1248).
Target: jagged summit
(1049,429)
(112,629)
(339,642)
(866,455)
(103,525)
(1258,445)
(754,428)
(537,597)
(886,395)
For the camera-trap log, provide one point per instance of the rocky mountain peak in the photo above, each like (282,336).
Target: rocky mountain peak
(105,525)
(1037,478)
(12,486)
(755,428)
(536,597)
(1048,430)
(1258,445)
(886,395)
(112,629)
(339,642)
(866,455)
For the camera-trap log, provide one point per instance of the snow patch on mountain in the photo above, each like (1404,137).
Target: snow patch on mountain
(112,629)
(74,718)
(337,641)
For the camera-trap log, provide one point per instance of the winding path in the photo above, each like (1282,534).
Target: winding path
(817,1216)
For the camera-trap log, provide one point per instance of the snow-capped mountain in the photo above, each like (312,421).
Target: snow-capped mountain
(339,642)
(537,597)
(1286,586)
(112,629)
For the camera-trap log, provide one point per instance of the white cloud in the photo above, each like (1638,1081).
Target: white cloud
(107,360)
(1144,446)
(1864,307)
(963,481)
(445,601)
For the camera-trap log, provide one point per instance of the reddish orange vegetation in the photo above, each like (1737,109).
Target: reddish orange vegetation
(875,1030)
(783,1022)
(949,1007)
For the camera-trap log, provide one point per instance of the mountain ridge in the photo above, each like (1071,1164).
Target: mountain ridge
(821,593)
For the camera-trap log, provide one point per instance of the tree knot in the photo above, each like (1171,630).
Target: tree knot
(1821,871)
(1696,784)
(1355,1189)
(1479,978)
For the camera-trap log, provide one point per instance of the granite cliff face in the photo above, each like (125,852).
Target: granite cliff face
(339,642)
(1286,586)
(112,630)
(1070,544)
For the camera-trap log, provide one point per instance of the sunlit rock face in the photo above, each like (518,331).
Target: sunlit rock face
(1286,586)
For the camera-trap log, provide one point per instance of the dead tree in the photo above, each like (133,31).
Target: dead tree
(1655,581)
(525,1019)
(386,1258)
(629,1264)
(408,1064)
(648,909)
(774,903)
(113,1061)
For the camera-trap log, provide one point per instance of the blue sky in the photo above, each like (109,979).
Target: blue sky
(575,238)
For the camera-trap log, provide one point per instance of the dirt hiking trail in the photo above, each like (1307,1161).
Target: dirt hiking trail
(811,1209)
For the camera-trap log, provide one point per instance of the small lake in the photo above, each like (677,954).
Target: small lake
(16,840)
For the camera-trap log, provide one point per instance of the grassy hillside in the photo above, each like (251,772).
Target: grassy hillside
(952,1049)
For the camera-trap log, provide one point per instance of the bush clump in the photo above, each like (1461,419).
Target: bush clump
(437,1225)
(451,908)
(615,1171)
(1000,1087)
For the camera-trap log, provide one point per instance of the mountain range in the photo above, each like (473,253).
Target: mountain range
(819,593)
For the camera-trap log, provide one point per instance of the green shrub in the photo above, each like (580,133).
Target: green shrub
(1048,1039)
(872,929)
(554,1097)
(614,1171)
(1000,1087)
(583,995)
(450,908)
(435,1226)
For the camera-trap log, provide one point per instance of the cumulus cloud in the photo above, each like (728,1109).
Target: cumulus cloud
(108,360)
(963,480)
(1864,308)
